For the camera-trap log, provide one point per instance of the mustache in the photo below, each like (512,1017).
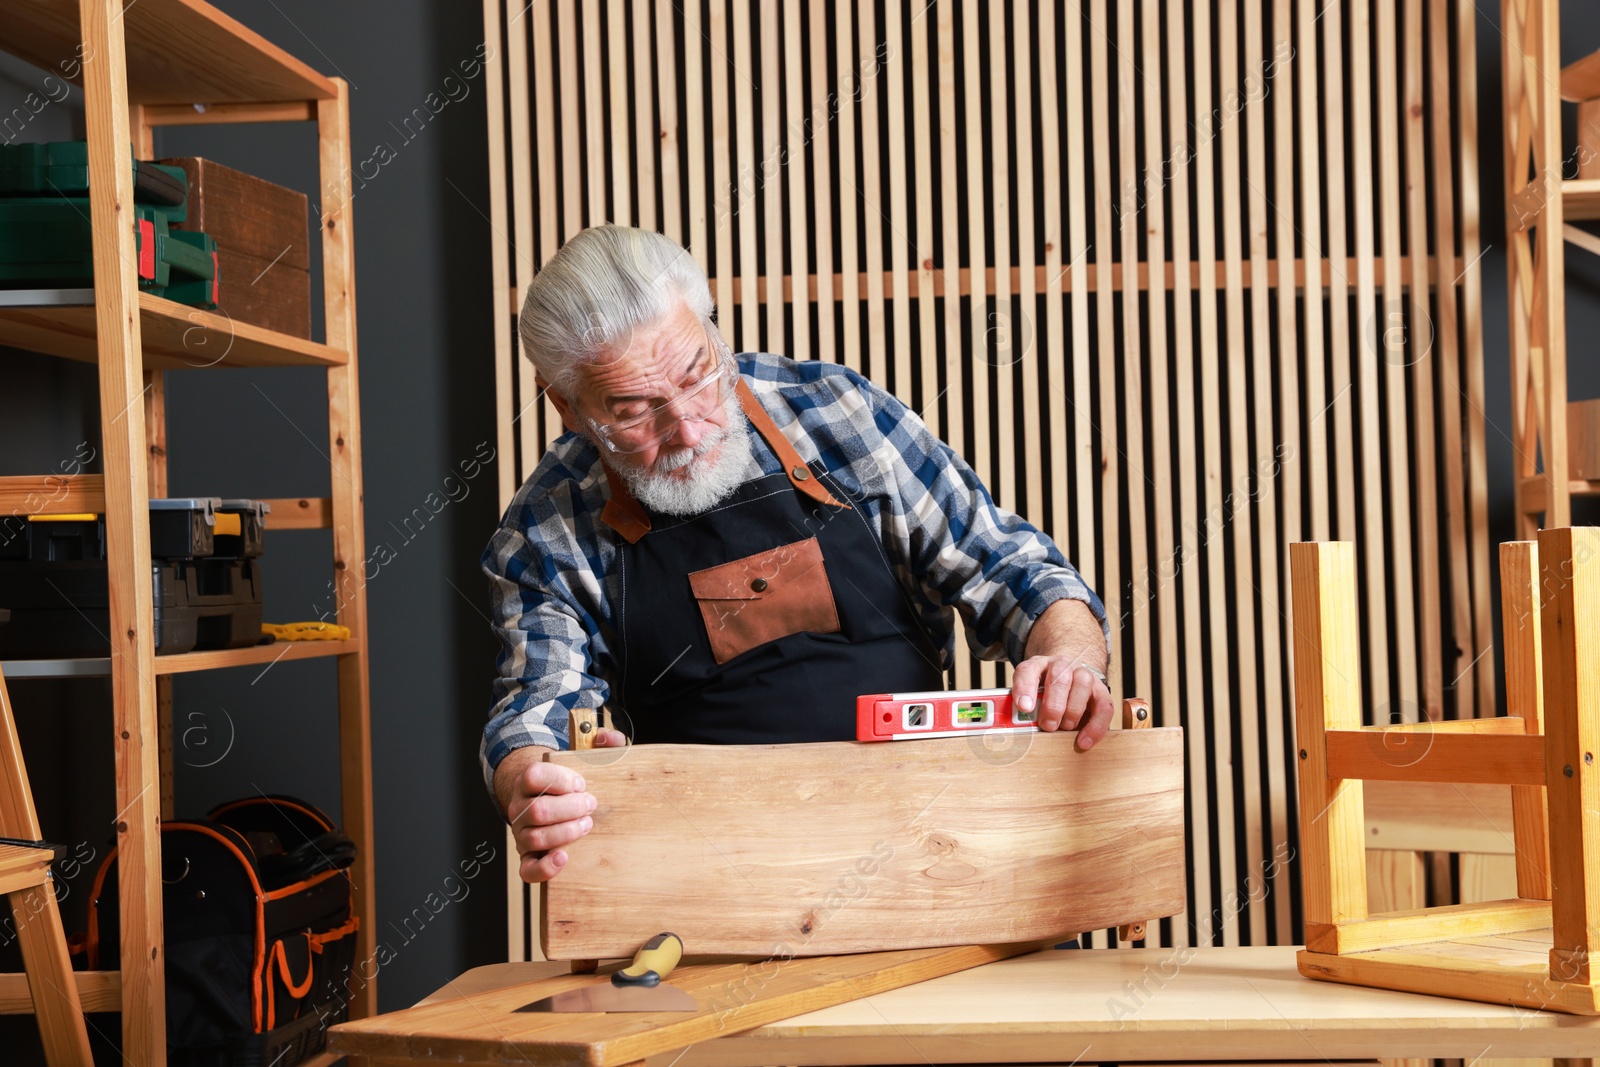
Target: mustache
(682,457)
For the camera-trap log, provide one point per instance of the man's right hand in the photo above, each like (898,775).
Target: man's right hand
(546,805)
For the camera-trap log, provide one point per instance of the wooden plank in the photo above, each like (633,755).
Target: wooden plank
(667,129)
(1519,612)
(299,513)
(999,349)
(229,114)
(1244,595)
(1394,353)
(592,68)
(1405,928)
(555,177)
(1464,978)
(980,454)
(349,539)
(505,297)
(743,194)
(795,136)
(486,1028)
(52,494)
(255,655)
(1488,878)
(1421,355)
(118,334)
(1133,405)
(155,427)
(565,13)
(229,62)
(97,991)
(842,847)
(901,247)
(616,118)
(1312,177)
(771,169)
(1084,432)
(695,37)
(927,260)
(820,117)
(1369,356)
(1208,518)
(1570,617)
(724,190)
(648,144)
(1580,80)
(1331,19)
(1458,668)
(955,427)
(1443,816)
(1505,759)
(867,71)
(849,194)
(1395,880)
(1161,585)
(1264,581)
(1020,362)
(1287,458)
(1326,696)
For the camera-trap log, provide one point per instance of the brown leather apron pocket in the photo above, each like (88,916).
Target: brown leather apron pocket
(748,602)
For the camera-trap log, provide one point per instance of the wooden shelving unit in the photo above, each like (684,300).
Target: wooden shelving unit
(1543,199)
(171,62)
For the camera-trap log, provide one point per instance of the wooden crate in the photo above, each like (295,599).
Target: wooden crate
(1532,949)
(263,251)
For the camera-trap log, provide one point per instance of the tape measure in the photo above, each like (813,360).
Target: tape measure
(907,716)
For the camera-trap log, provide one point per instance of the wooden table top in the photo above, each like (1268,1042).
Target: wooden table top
(1162,1004)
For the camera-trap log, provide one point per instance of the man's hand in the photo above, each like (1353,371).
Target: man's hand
(546,805)
(1063,641)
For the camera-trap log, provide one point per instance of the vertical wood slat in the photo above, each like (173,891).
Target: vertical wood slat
(1458,667)
(1238,452)
(820,117)
(1266,440)
(1423,445)
(1217,721)
(767,173)
(1189,712)
(1519,610)
(522,187)
(1290,440)
(793,139)
(1391,350)
(1132,345)
(1368,357)
(1161,579)
(1191,626)
(1111,465)
(1472,336)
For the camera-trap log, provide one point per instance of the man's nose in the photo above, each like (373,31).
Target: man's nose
(687,432)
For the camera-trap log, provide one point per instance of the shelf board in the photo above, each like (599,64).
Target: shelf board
(178,52)
(98,991)
(175,336)
(1580,199)
(1533,491)
(182,663)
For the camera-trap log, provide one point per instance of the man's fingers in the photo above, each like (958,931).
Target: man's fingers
(1099,719)
(541,779)
(553,808)
(543,838)
(1025,682)
(1080,687)
(609,738)
(536,868)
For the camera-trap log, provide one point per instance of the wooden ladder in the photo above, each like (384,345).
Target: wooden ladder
(26,881)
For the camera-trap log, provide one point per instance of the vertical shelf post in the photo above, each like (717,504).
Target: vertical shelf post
(122,418)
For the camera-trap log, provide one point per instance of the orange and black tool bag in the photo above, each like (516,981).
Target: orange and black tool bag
(259,932)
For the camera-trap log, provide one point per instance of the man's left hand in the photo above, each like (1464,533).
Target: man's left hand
(1067,694)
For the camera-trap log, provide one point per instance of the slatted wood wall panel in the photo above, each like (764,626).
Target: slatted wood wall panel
(1184,282)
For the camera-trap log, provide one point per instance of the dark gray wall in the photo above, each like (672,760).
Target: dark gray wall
(422,295)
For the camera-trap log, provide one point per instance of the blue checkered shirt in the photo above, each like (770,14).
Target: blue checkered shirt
(552,563)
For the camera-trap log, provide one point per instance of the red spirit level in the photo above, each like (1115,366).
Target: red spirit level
(904,716)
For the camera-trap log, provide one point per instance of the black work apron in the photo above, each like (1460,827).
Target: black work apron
(762,620)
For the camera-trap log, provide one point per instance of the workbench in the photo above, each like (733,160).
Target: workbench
(1134,1005)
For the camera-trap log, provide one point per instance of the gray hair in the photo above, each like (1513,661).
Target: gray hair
(604,283)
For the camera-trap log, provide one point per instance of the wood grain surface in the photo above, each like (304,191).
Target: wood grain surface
(805,850)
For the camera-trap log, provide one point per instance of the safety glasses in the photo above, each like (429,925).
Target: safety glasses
(697,401)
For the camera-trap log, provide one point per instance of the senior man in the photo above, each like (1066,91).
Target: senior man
(730,549)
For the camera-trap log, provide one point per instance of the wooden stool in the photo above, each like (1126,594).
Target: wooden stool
(1531,950)
(26,882)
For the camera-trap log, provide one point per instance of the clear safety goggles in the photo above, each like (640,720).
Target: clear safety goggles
(698,401)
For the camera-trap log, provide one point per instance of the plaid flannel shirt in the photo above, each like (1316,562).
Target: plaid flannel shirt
(553,578)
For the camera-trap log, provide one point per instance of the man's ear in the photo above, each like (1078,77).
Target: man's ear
(569,416)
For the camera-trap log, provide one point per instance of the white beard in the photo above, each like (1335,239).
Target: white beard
(709,483)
